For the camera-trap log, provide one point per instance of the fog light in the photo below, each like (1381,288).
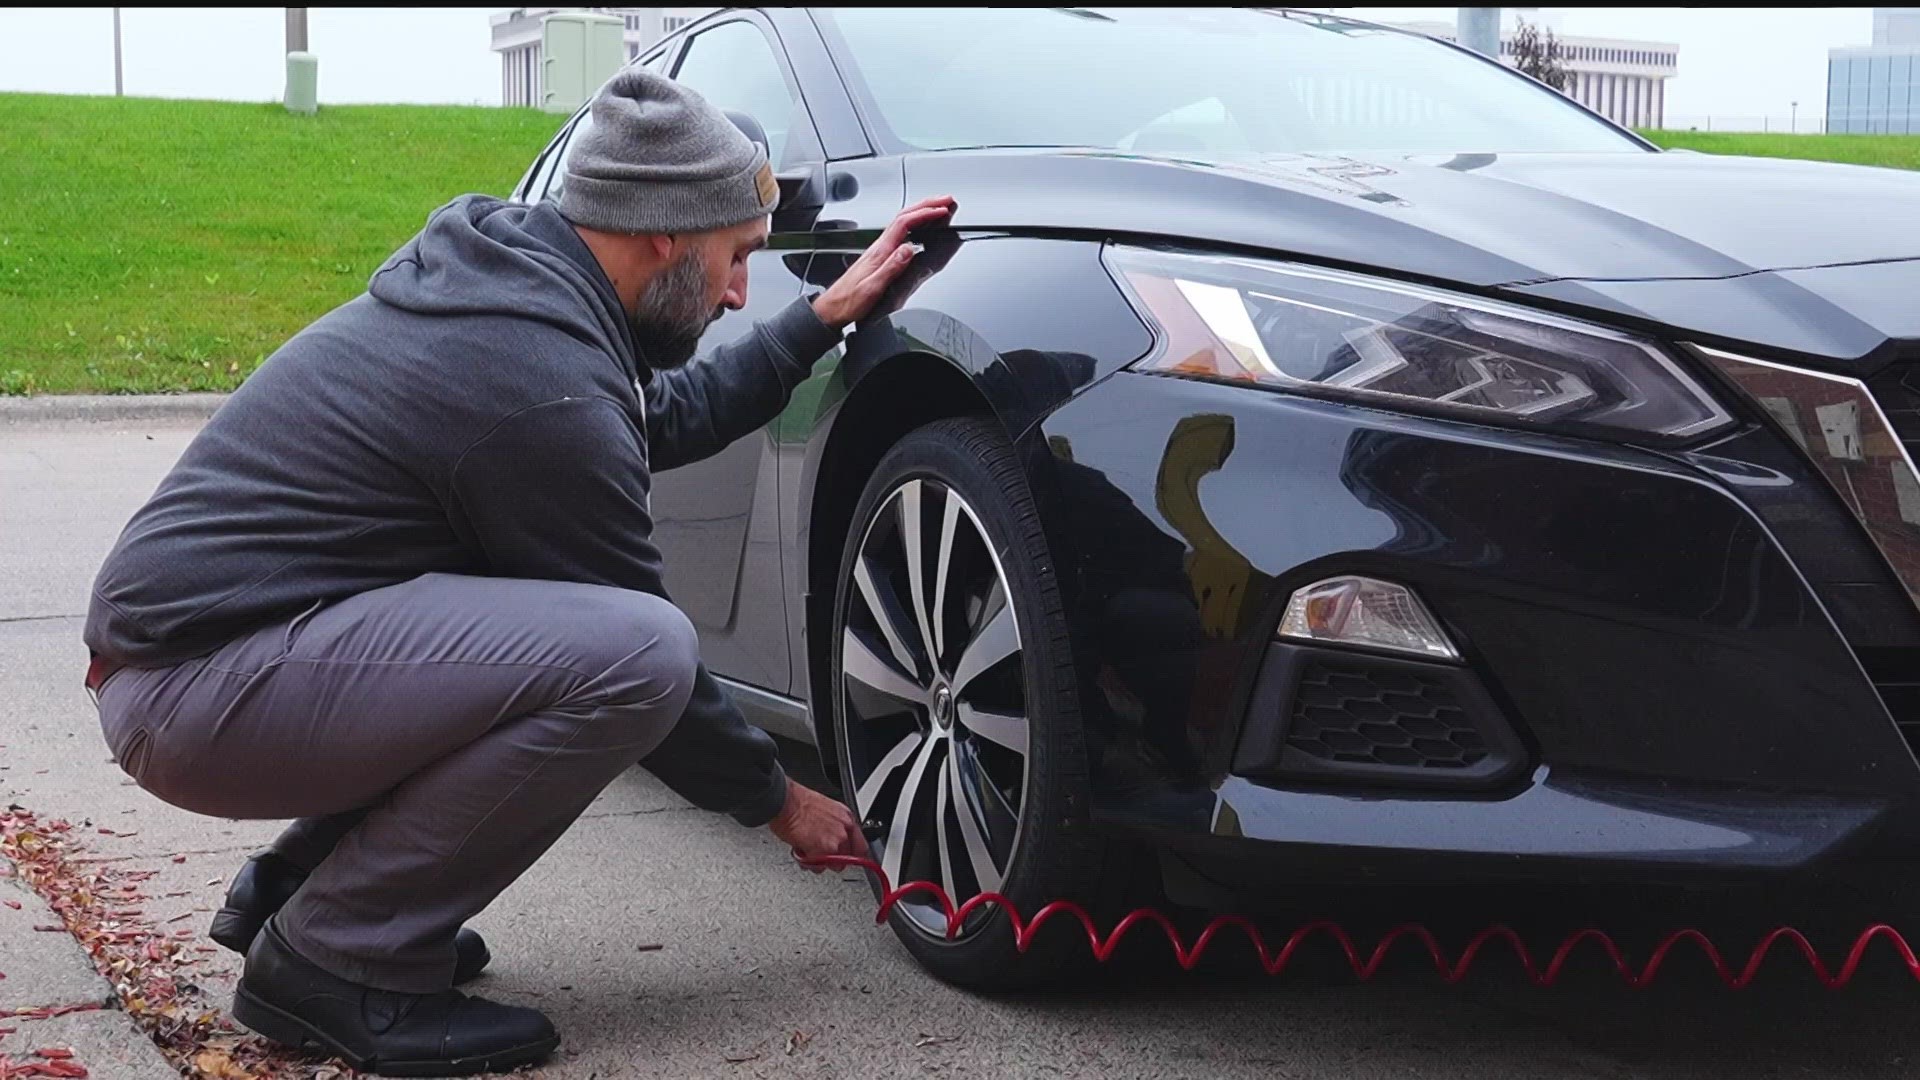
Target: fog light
(1365,612)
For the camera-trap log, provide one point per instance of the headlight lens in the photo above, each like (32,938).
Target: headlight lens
(1327,333)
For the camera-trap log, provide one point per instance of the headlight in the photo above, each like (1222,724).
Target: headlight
(1330,334)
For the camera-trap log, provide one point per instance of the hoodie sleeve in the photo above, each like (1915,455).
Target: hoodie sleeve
(558,492)
(694,412)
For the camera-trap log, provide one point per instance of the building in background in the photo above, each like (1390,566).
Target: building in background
(1621,79)
(516,37)
(1875,89)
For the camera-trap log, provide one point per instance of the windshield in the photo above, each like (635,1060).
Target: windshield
(1216,81)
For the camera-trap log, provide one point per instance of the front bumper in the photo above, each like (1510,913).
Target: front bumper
(1678,637)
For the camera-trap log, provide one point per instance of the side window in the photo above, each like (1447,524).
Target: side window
(580,129)
(733,66)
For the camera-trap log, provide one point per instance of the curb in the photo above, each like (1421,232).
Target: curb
(109,407)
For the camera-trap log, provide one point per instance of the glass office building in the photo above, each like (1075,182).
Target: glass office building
(1875,89)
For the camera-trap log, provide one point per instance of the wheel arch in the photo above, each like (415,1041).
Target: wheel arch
(906,391)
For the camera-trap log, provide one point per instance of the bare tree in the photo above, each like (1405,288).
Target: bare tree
(1536,53)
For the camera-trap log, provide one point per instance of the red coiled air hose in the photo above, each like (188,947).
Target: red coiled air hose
(1364,969)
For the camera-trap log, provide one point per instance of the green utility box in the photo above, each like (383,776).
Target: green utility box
(303,83)
(579,52)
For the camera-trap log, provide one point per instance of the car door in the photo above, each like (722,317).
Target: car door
(717,521)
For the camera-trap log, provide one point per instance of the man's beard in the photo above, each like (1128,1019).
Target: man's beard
(672,314)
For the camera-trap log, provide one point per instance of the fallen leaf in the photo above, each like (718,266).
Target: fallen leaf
(219,1065)
(179,858)
(796,1040)
(935,1040)
(57,1053)
(14,904)
(738,1058)
(655,947)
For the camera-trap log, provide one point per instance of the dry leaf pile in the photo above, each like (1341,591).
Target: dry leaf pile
(147,965)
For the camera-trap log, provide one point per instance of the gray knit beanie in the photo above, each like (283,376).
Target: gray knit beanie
(660,159)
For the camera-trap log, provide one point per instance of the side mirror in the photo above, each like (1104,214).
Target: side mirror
(751,129)
(797,187)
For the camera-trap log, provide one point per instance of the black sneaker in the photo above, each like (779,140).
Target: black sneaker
(291,1000)
(265,884)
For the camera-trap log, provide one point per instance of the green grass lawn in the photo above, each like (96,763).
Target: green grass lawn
(150,245)
(1891,151)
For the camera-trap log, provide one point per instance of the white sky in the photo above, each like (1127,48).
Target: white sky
(1733,61)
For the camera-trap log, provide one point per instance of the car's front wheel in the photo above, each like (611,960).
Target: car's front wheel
(954,703)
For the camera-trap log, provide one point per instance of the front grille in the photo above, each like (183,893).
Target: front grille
(1857,437)
(1863,437)
(1897,389)
(1895,672)
(1354,716)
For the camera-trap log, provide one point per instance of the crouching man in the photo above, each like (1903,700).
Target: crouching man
(402,586)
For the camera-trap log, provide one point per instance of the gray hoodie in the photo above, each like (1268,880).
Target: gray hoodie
(474,412)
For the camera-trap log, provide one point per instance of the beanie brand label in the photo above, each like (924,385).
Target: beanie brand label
(769,190)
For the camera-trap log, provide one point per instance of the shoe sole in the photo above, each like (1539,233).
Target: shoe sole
(289,1030)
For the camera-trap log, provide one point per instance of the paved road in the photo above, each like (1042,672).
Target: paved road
(755,950)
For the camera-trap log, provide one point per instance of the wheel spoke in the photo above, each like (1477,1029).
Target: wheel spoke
(985,874)
(941,803)
(863,798)
(995,641)
(884,613)
(1008,731)
(903,811)
(949,522)
(916,576)
(861,664)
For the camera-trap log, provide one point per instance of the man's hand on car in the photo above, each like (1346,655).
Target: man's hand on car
(849,299)
(815,825)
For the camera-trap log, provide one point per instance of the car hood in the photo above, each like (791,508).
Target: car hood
(1525,223)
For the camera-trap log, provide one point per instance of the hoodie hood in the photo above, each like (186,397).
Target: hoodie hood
(479,255)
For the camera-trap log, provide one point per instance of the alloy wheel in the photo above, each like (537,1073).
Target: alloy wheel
(933,700)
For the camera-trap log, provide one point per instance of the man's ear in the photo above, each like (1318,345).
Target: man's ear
(662,245)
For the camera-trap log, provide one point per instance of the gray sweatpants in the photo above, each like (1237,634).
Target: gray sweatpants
(435,737)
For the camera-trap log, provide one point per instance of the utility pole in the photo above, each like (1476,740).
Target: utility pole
(296,29)
(1794,124)
(118,86)
(303,68)
(1479,29)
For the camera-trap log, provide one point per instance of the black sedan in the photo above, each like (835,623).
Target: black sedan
(1314,453)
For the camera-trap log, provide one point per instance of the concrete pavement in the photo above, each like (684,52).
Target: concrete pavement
(767,971)
(46,972)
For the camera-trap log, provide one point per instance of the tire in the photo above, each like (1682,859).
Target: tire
(1028,839)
